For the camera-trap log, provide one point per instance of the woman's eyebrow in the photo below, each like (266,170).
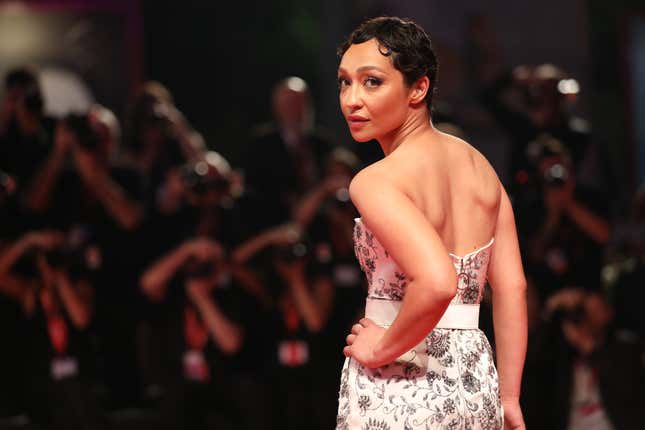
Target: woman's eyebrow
(363,69)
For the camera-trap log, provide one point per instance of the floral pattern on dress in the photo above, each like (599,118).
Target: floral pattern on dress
(451,383)
(403,395)
(373,258)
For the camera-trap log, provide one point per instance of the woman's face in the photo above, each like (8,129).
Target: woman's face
(373,95)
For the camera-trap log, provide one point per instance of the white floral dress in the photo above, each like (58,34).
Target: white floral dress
(450,384)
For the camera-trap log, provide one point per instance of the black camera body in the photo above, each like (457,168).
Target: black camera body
(197,177)
(81,127)
(292,252)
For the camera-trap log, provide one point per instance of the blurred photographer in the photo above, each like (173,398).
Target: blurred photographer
(283,158)
(197,311)
(49,274)
(566,225)
(205,197)
(299,294)
(80,182)
(199,218)
(598,379)
(327,214)
(159,136)
(26,133)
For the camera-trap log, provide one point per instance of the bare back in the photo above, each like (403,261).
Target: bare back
(453,185)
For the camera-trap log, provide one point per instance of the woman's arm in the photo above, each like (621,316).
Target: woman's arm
(410,239)
(506,277)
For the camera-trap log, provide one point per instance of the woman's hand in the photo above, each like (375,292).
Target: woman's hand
(362,341)
(513,419)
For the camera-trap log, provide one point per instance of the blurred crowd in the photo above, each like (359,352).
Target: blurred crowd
(146,282)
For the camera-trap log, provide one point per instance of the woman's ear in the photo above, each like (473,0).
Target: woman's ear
(419,90)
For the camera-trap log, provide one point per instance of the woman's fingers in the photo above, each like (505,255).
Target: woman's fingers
(347,351)
(356,328)
(366,322)
(350,339)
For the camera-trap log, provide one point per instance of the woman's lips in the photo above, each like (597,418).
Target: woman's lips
(356,121)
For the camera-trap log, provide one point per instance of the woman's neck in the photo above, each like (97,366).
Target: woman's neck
(416,124)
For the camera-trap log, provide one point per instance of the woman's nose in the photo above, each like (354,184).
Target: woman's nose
(351,97)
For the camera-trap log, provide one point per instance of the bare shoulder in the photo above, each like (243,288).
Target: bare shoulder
(369,179)
(475,169)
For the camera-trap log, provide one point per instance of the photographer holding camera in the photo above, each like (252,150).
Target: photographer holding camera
(49,274)
(159,136)
(597,377)
(26,132)
(80,182)
(300,295)
(196,313)
(565,223)
(192,287)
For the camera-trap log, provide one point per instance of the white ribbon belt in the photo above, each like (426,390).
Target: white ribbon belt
(457,315)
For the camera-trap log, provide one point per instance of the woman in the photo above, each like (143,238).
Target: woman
(435,223)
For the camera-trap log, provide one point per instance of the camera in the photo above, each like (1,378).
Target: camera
(556,175)
(199,179)
(81,127)
(196,269)
(76,254)
(292,252)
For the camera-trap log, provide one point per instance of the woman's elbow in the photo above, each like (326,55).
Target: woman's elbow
(443,286)
(447,285)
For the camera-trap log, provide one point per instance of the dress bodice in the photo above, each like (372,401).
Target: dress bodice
(387,281)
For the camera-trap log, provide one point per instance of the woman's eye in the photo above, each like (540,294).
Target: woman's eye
(342,82)
(372,82)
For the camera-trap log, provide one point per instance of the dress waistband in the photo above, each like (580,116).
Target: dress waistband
(456,316)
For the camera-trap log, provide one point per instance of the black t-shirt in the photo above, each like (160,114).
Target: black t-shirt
(120,249)
(271,169)
(170,320)
(21,157)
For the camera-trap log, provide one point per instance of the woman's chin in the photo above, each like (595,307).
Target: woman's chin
(361,137)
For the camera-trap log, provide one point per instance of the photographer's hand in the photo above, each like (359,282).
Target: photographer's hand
(39,192)
(226,334)
(45,240)
(204,249)
(284,234)
(305,210)
(313,305)
(155,279)
(76,298)
(171,192)
(127,213)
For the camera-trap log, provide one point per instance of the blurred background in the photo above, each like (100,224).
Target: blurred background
(175,227)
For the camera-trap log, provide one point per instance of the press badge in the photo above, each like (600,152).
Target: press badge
(195,366)
(63,368)
(293,353)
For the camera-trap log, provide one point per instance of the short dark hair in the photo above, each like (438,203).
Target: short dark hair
(26,80)
(405,42)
